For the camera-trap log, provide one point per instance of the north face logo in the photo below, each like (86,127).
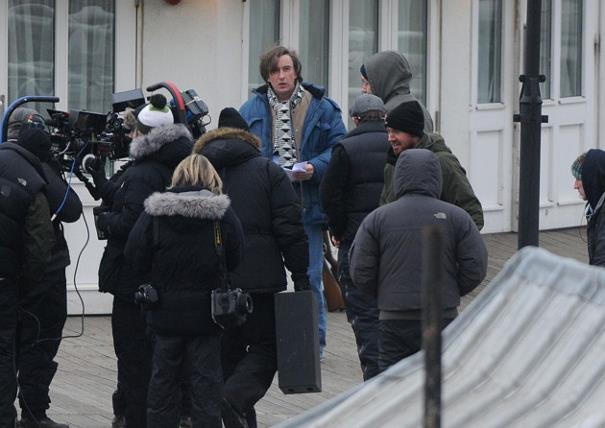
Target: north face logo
(440,216)
(22,181)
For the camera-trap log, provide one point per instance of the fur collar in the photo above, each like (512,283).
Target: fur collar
(201,204)
(226,134)
(152,142)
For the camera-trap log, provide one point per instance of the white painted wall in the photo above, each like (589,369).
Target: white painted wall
(196,44)
(454,99)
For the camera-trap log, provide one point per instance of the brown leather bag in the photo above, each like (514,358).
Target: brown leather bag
(332,292)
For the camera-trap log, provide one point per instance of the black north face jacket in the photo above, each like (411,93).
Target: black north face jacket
(386,256)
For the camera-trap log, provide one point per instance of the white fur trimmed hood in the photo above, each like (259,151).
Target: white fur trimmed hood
(157,138)
(201,204)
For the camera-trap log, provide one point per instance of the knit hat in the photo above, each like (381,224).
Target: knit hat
(576,166)
(36,141)
(153,114)
(363,71)
(365,103)
(407,117)
(20,117)
(230,118)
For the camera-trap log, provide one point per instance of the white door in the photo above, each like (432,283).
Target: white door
(568,61)
(490,148)
(82,52)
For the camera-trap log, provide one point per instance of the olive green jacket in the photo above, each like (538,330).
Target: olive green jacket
(456,188)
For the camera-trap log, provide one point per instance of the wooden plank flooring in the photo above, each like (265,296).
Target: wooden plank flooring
(81,391)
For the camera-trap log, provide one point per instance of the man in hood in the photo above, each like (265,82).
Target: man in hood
(405,131)
(26,242)
(386,256)
(387,75)
(44,305)
(263,198)
(589,173)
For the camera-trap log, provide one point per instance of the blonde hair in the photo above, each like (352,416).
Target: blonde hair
(196,170)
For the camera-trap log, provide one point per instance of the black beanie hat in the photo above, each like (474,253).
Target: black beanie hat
(230,118)
(407,117)
(36,141)
(22,116)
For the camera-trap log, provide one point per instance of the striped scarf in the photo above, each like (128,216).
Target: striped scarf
(284,146)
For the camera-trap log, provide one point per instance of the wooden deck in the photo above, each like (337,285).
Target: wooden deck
(81,391)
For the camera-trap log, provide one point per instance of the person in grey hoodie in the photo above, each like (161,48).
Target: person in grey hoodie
(386,261)
(387,75)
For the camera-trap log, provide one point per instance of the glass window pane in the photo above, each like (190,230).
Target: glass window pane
(545,47)
(571,48)
(31,49)
(91,54)
(363,41)
(412,42)
(314,40)
(264,33)
(490,51)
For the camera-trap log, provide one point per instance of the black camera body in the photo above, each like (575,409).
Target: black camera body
(96,213)
(146,295)
(78,133)
(230,307)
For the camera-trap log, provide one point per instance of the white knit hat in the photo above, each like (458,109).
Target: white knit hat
(155,113)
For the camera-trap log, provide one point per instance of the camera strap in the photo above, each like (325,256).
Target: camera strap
(220,252)
(156,232)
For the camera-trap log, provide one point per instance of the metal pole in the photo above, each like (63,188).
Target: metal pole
(530,116)
(17,103)
(431,325)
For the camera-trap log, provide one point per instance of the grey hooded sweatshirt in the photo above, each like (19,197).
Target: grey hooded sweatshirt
(389,75)
(386,255)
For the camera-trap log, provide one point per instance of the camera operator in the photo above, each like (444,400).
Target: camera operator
(44,307)
(174,239)
(26,241)
(269,209)
(157,147)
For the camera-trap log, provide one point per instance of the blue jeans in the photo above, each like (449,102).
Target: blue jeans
(316,261)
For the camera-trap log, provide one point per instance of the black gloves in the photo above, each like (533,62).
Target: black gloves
(102,221)
(302,284)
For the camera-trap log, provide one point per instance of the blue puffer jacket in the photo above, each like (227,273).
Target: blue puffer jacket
(323,128)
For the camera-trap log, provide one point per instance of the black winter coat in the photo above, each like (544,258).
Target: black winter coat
(352,184)
(593,182)
(267,205)
(65,206)
(182,256)
(155,155)
(386,256)
(26,234)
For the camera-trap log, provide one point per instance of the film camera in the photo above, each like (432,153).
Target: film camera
(89,138)
(230,307)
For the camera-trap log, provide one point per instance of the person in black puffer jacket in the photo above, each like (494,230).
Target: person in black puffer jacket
(157,147)
(26,242)
(265,201)
(589,173)
(174,239)
(43,308)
